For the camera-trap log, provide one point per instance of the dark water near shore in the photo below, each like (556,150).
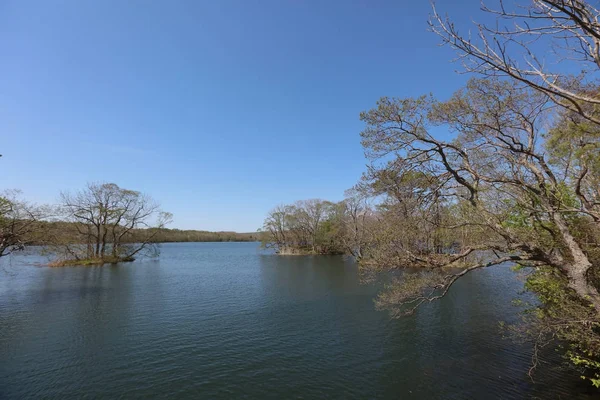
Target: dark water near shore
(224,320)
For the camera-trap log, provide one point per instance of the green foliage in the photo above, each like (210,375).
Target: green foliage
(588,365)
(563,316)
(548,286)
(517,217)
(6,206)
(565,196)
(307,227)
(518,267)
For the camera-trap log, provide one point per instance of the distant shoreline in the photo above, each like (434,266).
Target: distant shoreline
(210,241)
(61,232)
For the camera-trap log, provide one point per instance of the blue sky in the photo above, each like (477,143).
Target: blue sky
(219,110)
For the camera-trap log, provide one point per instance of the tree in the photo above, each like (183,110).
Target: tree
(574,147)
(496,167)
(356,217)
(276,227)
(517,181)
(536,45)
(311,214)
(307,226)
(105,216)
(527,40)
(526,192)
(18,223)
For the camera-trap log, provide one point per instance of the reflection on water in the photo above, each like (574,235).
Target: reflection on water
(225,320)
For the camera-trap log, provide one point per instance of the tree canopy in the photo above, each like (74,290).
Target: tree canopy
(505,172)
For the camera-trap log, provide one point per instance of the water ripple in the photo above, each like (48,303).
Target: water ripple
(227,321)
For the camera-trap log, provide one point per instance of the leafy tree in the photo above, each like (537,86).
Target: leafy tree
(308,226)
(493,165)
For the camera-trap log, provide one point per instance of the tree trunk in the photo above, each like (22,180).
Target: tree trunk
(90,249)
(97,252)
(114,246)
(578,268)
(103,247)
(578,281)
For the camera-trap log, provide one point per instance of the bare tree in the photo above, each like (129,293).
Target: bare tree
(529,41)
(18,223)
(276,227)
(105,216)
(357,216)
(311,215)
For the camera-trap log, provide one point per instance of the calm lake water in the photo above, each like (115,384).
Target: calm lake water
(226,320)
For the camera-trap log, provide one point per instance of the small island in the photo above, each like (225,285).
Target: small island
(101,224)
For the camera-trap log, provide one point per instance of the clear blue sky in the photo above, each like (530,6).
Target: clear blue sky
(218,109)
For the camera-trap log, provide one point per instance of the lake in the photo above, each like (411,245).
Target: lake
(227,320)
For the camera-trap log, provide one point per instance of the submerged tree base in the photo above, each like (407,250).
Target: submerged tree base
(90,262)
(298,251)
(291,251)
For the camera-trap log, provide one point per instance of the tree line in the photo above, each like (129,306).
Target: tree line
(102,223)
(66,232)
(516,183)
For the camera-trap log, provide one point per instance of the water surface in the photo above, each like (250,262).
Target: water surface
(226,320)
